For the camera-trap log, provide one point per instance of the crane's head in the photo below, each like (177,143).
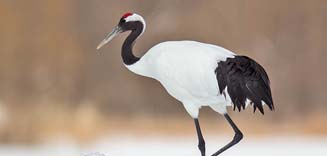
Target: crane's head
(129,21)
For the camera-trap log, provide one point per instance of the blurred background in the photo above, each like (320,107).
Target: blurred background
(57,91)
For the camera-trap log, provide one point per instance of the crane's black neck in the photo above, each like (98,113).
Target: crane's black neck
(127,49)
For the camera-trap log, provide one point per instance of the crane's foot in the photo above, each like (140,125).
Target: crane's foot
(237,138)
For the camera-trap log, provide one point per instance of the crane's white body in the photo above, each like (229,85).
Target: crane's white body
(186,69)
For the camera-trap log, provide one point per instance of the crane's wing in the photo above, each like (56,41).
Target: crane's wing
(245,80)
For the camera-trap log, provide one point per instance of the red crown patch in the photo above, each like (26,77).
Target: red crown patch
(126,15)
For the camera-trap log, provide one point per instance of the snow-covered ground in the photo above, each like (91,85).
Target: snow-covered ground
(178,146)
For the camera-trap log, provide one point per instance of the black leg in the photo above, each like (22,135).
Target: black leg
(237,137)
(201,144)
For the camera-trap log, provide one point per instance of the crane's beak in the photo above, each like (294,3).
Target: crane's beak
(110,36)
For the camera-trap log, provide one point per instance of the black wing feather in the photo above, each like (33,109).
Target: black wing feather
(244,79)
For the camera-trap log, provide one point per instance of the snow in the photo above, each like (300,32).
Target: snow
(175,146)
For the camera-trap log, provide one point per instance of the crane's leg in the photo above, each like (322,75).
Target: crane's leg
(201,144)
(237,137)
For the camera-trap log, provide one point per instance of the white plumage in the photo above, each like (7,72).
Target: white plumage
(186,70)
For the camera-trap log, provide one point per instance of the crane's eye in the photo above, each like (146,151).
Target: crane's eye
(122,21)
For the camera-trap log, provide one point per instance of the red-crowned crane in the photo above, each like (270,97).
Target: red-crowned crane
(197,74)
